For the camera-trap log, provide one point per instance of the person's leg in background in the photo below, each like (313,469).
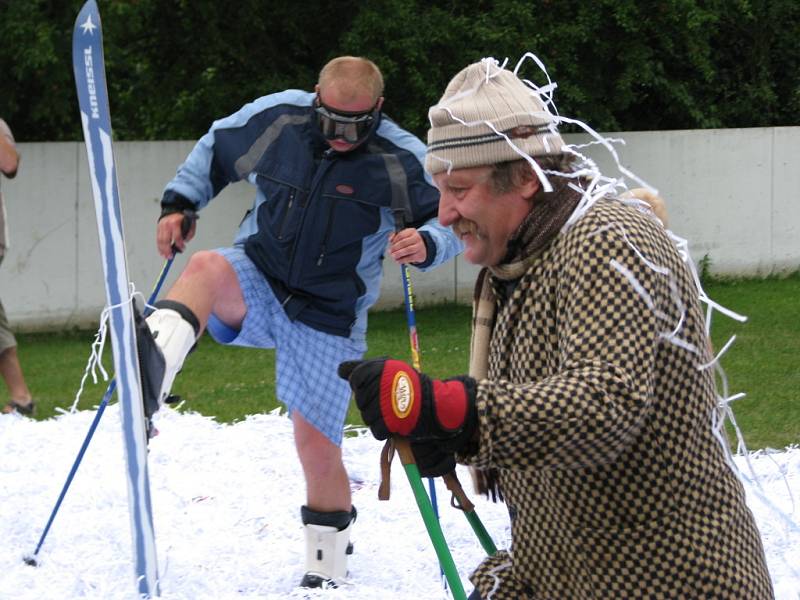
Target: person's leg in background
(11,371)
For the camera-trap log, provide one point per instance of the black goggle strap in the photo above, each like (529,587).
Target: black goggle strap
(343,116)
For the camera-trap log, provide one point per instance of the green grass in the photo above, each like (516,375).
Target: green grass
(230,383)
(764,361)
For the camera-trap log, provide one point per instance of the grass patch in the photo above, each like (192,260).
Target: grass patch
(763,361)
(230,383)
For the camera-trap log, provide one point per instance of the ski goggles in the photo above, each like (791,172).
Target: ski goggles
(352,127)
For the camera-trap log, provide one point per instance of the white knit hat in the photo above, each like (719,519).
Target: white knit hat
(487,115)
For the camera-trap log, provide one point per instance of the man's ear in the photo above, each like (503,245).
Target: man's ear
(379,103)
(530,187)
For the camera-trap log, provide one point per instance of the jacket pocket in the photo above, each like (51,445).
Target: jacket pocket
(347,222)
(280,214)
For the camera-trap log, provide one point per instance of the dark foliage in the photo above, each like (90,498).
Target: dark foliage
(176,65)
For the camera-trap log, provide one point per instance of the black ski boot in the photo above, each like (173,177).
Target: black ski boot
(151,370)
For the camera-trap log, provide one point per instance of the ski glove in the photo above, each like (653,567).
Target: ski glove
(431,460)
(394,398)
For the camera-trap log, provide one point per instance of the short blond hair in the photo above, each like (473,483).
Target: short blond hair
(361,75)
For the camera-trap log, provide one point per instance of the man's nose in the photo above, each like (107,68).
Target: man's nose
(447,211)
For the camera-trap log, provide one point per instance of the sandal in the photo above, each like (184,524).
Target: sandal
(23,409)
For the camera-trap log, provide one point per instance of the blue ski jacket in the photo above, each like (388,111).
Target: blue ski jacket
(320,220)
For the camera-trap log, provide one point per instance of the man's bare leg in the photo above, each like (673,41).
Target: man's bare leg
(329,515)
(327,484)
(11,372)
(209,284)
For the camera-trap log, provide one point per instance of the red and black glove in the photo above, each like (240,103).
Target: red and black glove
(394,398)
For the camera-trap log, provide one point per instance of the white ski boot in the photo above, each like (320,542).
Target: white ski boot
(163,339)
(327,547)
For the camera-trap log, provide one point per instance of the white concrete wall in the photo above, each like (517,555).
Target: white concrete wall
(733,193)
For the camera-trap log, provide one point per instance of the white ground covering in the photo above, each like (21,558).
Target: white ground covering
(226,501)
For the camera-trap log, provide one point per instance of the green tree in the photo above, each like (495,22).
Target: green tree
(37,92)
(176,65)
(619,64)
(173,66)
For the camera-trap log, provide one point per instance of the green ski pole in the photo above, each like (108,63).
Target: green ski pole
(461,502)
(429,518)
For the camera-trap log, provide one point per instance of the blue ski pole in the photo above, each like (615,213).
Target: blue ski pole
(411,319)
(31,560)
(408,293)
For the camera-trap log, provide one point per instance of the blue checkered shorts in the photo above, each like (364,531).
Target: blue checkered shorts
(306,360)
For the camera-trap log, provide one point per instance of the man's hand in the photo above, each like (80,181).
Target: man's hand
(173,231)
(431,460)
(407,246)
(394,398)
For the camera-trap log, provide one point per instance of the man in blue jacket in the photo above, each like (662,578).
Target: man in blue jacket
(332,176)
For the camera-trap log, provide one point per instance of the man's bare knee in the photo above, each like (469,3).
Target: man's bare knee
(206,263)
(209,283)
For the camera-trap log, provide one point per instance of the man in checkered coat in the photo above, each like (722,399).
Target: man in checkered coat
(590,405)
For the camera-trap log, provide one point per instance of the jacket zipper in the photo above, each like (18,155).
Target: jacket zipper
(328,230)
(286,212)
(319,174)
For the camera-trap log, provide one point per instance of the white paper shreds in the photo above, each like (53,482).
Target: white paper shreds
(226,500)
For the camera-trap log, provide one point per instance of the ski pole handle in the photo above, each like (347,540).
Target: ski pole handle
(413,338)
(189,219)
(187,222)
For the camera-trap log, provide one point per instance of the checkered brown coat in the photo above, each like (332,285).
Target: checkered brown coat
(602,429)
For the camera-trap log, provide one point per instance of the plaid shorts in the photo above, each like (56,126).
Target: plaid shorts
(306,360)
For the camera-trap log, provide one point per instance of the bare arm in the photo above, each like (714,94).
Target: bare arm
(9,159)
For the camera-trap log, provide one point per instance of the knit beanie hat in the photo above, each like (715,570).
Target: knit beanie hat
(488,115)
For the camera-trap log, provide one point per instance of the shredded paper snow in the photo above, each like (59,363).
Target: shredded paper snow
(226,500)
